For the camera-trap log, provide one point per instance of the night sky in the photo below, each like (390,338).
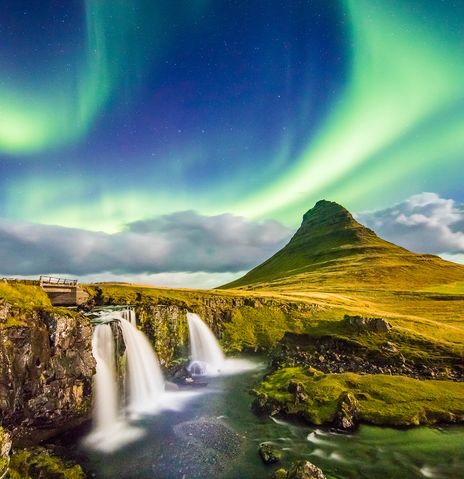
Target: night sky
(118,113)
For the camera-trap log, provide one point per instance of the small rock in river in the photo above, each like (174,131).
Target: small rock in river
(269,452)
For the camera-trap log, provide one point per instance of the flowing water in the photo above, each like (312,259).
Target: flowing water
(206,354)
(110,429)
(145,379)
(106,394)
(129,315)
(191,442)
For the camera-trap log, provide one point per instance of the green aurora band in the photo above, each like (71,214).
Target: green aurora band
(65,109)
(398,113)
(397,125)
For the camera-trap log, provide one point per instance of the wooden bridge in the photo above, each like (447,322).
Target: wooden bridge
(63,291)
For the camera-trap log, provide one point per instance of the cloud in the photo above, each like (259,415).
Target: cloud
(425,223)
(183,242)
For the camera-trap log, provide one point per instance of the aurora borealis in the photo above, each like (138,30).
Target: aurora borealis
(114,112)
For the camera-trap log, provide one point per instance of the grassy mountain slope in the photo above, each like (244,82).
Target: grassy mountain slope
(332,251)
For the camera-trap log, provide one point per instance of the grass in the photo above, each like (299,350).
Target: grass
(382,399)
(39,462)
(24,296)
(332,250)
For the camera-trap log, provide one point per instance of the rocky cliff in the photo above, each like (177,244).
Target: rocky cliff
(242,323)
(46,370)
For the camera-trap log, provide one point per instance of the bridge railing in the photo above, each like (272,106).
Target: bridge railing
(57,281)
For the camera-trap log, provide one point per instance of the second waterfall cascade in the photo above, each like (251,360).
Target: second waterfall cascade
(206,355)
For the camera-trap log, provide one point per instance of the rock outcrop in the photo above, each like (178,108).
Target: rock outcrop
(304,470)
(46,370)
(333,355)
(362,324)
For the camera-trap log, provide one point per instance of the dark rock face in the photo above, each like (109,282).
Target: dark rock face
(46,370)
(298,391)
(304,470)
(269,452)
(263,405)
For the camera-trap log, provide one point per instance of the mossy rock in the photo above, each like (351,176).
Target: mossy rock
(370,398)
(270,453)
(39,463)
(304,470)
(280,473)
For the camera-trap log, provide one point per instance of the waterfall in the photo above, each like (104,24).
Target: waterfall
(129,315)
(110,429)
(106,394)
(206,354)
(145,379)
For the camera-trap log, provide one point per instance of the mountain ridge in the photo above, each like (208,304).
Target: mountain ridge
(332,249)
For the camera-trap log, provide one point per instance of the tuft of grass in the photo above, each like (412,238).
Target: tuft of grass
(39,462)
(382,399)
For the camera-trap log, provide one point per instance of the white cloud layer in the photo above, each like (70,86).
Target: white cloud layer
(425,223)
(186,249)
(183,242)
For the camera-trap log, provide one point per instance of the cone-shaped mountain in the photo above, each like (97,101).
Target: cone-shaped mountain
(332,250)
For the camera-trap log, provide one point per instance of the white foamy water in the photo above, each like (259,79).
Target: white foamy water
(205,353)
(145,379)
(312,437)
(427,471)
(110,430)
(129,315)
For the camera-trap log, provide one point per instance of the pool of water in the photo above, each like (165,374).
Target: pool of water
(169,446)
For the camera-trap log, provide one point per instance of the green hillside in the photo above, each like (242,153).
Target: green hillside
(332,251)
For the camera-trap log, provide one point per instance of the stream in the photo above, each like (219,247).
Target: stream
(197,442)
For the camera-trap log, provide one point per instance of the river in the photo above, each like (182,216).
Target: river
(196,442)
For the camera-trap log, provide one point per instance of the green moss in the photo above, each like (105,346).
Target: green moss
(39,462)
(253,328)
(385,400)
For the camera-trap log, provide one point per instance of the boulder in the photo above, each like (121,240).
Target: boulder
(304,470)
(347,414)
(269,452)
(362,324)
